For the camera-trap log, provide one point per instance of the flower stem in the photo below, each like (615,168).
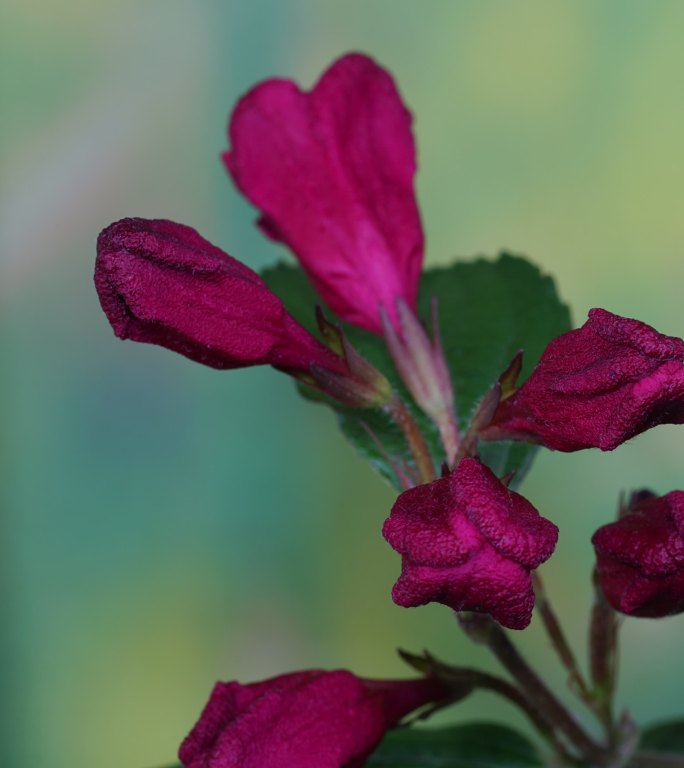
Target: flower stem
(603,638)
(447,418)
(422,367)
(484,630)
(560,644)
(414,438)
(449,435)
(475,678)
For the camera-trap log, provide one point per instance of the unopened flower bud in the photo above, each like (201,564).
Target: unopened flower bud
(597,386)
(470,543)
(309,719)
(162,283)
(640,557)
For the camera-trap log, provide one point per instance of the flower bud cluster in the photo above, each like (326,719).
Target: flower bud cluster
(331,171)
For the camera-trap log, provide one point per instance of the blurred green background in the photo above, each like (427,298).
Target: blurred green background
(167,525)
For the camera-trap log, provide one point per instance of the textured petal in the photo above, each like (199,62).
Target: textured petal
(422,527)
(507,520)
(162,283)
(597,386)
(310,719)
(640,557)
(634,594)
(488,583)
(332,172)
(470,543)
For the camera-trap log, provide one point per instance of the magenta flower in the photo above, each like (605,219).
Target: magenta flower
(470,543)
(640,558)
(332,172)
(162,283)
(310,719)
(597,386)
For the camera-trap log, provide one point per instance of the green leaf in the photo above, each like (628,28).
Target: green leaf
(664,737)
(488,310)
(476,745)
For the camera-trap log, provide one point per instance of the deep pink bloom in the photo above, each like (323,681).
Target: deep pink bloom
(597,386)
(162,283)
(470,543)
(332,172)
(310,719)
(640,557)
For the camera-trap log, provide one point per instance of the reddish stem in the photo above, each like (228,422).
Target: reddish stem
(414,439)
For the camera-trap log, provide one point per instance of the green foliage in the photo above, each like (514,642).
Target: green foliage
(664,737)
(476,745)
(488,310)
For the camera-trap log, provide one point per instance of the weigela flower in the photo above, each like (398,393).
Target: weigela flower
(332,172)
(310,719)
(597,386)
(640,557)
(162,283)
(470,543)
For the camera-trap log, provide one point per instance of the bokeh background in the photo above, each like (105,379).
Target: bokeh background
(165,525)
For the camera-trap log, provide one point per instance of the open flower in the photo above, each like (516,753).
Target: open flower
(310,719)
(470,543)
(332,172)
(640,557)
(597,386)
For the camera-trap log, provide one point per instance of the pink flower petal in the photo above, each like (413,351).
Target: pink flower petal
(332,172)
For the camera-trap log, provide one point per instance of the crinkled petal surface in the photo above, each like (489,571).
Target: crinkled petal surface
(597,386)
(422,527)
(640,558)
(487,583)
(506,519)
(332,172)
(162,283)
(311,719)
(470,543)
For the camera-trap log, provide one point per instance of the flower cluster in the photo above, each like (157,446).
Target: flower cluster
(331,171)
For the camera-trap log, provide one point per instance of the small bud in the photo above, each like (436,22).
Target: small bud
(596,386)
(162,283)
(640,557)
(468,542)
